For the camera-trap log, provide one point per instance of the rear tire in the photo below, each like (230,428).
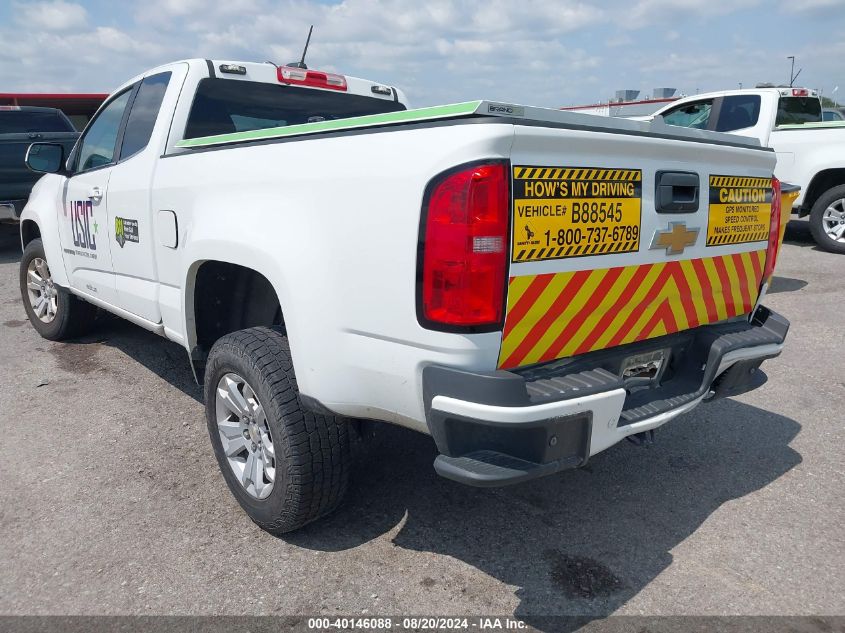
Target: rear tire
(828,216)
(302,460)
(54,312)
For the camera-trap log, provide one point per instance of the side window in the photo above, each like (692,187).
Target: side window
(142,116)
(97,147)
(695,115)
(738,112)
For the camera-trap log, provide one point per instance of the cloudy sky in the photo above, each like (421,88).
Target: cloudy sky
(553,53)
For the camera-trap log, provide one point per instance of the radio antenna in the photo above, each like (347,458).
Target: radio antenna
(301,62)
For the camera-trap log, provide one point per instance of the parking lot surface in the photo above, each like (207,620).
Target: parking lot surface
(112,503)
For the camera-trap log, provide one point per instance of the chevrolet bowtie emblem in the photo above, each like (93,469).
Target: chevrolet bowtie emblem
(675,239)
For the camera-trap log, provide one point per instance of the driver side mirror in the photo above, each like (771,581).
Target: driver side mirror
(46,158)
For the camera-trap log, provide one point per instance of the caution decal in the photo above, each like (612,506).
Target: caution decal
(740,210)
(558,315)
(575,211)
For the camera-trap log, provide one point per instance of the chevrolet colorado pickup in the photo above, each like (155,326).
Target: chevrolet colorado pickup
(527,286)
(810,153)
(20,126)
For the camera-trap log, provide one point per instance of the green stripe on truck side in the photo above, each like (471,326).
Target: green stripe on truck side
(813,125)
(402,116)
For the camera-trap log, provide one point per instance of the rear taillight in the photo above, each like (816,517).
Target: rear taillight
(774,232)
(312,78)
(463,254)
(800,92)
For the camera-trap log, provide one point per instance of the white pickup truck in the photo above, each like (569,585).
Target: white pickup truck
(810,153)
(528,286)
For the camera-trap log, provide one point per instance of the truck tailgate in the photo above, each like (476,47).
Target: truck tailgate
(612,243)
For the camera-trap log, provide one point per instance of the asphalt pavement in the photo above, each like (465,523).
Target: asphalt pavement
(111,501)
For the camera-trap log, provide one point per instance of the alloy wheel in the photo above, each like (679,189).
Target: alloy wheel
(43,295)
(833,220)
(245,435)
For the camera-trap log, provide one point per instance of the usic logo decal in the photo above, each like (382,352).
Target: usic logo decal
(81,212)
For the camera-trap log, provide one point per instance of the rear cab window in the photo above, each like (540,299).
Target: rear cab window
(792,110)
(30,121)
(223,106)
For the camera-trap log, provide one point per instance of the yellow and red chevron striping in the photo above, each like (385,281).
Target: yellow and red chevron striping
(557,315)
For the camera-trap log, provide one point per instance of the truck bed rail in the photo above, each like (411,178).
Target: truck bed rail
(529,115)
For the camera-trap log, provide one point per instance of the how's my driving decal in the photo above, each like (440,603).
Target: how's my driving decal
(563,212)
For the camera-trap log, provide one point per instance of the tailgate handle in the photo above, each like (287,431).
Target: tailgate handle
(676,192)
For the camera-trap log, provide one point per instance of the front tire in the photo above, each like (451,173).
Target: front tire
(285,465)
(827,220)
(53,311)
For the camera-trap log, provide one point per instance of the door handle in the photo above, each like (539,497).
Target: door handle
(95,194)
(676,192)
